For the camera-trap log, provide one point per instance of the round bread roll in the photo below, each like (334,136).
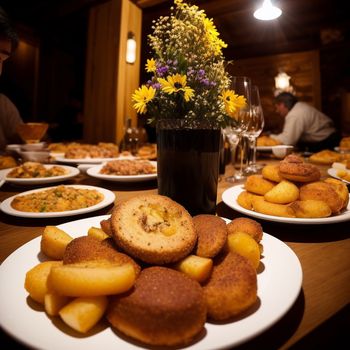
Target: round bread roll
(165,307)
(212,235)
(293,168)
(154,229)
(246,225)
(232,287)
(271,172)
(87,248)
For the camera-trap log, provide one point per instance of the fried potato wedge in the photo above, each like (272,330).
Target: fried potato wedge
(54,242)
(271,172)
(245,245)
(311,208)
(97,233)
(91,279)
(283,193)
(196,267)
(36,280)
(262,206)
(245,199)
(322,191)
(258,185)
(54,303)
(82,314)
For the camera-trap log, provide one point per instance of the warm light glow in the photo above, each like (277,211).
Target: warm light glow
(131,48)
(267,11)
(282,81)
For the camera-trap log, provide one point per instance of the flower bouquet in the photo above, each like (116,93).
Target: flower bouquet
(189,100)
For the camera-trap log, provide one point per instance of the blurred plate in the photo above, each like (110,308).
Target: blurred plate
(32,327)
(108,199)
(71,172)
(230,196)
(95,172)
(333,172)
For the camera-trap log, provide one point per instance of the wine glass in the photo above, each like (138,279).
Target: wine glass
(241,86)
(255,126)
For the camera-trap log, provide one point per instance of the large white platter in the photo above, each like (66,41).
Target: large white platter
(95,172)
(333,172)
(71,172)
(108,199)
(35,329)
(230,195)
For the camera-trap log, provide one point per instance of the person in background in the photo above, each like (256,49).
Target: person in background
(304,125)
(9,114)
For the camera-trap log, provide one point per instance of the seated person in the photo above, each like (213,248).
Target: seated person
(304,126)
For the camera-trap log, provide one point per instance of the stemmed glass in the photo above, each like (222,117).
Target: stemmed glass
(240,86)
(255,126)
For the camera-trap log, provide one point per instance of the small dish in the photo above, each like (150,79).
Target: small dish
(281,151)
(35,156)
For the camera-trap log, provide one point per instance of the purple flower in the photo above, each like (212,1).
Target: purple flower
(205,81)
(162,70)
(157,86)
(201,73)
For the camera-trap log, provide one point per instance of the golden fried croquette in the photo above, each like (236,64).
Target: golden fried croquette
(341,189)
(261,205)
(324,192)
(154,229)
(283,193)
(245,199)
(258,185)
(212,235)
(231,288)
(293,168)
(87,248)
(271,172)
(311,208)
(165,307)
(246,225)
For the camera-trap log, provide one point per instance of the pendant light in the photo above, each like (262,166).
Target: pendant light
(267,11)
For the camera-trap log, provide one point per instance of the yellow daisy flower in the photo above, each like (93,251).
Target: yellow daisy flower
(141,97)
(151,65)
(176,83)
(232,101)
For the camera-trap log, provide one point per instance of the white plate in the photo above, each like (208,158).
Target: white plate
(71,172)
(229,197)
(108,199)
(270,148)
(87,160)
(95,172)
(34,328)
(333,172)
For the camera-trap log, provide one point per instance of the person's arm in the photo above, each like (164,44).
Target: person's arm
(292,130)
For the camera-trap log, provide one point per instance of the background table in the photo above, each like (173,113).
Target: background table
(318,318)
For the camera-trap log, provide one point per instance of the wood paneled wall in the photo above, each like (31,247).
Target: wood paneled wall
(304,69)
(109,79)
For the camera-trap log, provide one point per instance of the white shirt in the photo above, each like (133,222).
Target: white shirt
(9,119)
(304,123)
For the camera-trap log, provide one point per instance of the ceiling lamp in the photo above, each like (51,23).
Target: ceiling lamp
(267,11)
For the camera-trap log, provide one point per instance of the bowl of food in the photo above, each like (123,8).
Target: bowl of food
(32,133)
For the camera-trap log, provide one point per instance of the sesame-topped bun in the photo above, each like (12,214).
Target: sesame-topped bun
(154,229)
(165,307)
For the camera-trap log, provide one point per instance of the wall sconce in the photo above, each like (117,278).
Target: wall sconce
(282,81)
(267,11)
(131,48)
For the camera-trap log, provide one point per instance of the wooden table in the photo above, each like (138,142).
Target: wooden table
(317,318)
